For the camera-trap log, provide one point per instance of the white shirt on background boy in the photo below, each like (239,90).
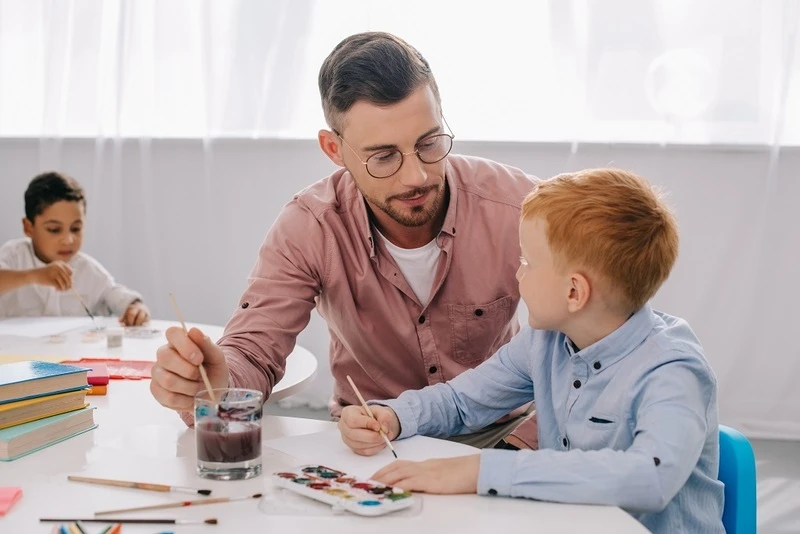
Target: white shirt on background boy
(92,281)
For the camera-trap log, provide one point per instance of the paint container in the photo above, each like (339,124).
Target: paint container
(228,434)
(114,338)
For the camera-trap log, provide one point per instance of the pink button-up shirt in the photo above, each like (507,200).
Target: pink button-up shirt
(322,252)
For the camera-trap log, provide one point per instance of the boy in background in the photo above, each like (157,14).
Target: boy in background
(43,274)
(626,401)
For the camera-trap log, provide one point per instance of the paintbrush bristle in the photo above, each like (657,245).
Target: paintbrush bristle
(395,454)
(204,492)
(257,496)
(210,521)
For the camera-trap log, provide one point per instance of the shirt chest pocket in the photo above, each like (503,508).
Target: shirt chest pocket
(602,430)
(478,330)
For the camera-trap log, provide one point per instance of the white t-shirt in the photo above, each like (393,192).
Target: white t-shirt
(418,266)
(97,287)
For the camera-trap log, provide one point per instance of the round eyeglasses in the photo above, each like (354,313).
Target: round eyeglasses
(386,163)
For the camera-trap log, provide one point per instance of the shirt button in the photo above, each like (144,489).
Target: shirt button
(479,312)
(564,442)
(432,369)
(576,384)
(597,365)
(421,319)
(245,305)
(492,492)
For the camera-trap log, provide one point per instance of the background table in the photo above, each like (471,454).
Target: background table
(301,365)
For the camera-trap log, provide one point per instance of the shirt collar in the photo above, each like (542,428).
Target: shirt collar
(618,343)
(448,227)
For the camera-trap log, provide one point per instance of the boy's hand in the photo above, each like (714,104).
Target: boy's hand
(176,378)
(442,475)
(361,433)
(136,315)
(55,274)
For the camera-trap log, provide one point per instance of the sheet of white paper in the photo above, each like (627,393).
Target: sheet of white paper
(41,326)
(328,449)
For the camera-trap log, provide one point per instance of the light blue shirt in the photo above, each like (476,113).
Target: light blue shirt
(629,421)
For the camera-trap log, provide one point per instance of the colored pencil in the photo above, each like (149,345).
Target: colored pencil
(137,485)
(178,504)
(366,407)
(200,367)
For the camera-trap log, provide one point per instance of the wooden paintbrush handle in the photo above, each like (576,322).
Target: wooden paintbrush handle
(120,483)
(163,506)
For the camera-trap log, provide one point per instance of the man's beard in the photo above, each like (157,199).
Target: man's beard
(416,215)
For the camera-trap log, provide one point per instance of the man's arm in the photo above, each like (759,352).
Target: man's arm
(670,428)
(476,397)
(276,306)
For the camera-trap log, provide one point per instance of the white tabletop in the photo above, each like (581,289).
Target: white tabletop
(139,440)
(301,365)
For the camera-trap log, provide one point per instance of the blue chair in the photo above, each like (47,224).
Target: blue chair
(737,470)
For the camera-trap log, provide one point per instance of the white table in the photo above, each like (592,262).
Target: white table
(139,440)
(301,365)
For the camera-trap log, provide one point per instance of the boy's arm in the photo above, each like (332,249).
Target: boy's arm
(475,398)
(11,279)
(118,297)
(670,424)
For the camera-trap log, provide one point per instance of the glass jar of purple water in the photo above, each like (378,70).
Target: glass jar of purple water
(228,433)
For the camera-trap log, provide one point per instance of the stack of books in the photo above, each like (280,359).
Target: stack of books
(41,403)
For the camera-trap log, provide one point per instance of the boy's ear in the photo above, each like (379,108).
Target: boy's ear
(331,145)
(579,292)
(27,227)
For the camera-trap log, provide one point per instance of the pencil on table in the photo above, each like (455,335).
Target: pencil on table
(366,407)
(200,367)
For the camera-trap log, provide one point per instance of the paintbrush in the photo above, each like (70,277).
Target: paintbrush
(200,367)
(138,485)
(178,504)
(212,521)
(85,307)
(366,407)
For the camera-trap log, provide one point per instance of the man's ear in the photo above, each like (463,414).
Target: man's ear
(580,290)
(331,145)
(27,227)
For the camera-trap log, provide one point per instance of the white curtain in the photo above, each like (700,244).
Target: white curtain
(191,123)
(664,71)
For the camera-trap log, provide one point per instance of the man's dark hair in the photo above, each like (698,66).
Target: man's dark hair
(48,188)
(373,66)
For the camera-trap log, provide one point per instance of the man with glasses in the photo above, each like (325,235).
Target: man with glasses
(409,253)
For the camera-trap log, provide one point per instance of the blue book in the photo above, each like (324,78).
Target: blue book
(20,440)
(32,379)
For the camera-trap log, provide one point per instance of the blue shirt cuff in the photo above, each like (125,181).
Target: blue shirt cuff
(406,416)
(496,472)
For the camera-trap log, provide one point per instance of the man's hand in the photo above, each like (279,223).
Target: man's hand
(135,315)
(442,475)
(176,378)
(55,274)
(361,433)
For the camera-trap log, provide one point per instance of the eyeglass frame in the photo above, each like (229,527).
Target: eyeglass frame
(402,154)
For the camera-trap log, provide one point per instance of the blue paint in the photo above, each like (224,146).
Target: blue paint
(369,503)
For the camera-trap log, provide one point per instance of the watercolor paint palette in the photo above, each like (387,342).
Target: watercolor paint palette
(359,496)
